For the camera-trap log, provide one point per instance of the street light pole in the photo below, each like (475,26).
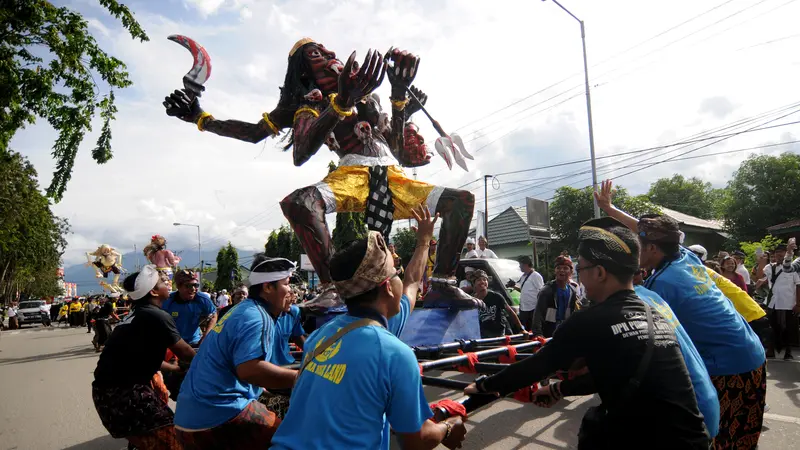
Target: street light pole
(588,105)
(485,207)
(199,246)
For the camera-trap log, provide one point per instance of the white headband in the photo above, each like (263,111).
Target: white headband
(145,282)
(267,277)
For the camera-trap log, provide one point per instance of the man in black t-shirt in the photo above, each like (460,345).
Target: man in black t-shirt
(496,311)
(125,380)
(613,337)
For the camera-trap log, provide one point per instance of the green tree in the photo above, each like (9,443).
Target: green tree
(572,207)
(768,244)
(690,196)
(229,274)
(405,241)
(32,238)
(295,249)
(349,226)
(764,191)
(285,235)
(271,247)
(283,243)
(208,286)
(718,198)
(50,66)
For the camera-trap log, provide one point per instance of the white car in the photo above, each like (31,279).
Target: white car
(30,312)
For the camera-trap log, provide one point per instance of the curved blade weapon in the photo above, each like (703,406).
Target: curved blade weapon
(196,77)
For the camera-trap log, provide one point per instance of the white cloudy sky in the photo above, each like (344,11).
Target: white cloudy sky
(478,57)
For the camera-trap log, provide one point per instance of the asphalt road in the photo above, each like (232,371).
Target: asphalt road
(45,399)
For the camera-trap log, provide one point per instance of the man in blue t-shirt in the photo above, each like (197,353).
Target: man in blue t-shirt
(189,308)
(731,351)
(704,390)
(348,389)
(218,404)
(287,329)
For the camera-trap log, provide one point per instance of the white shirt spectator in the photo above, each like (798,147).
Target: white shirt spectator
(530,284)
(742,270)
(784,290)
(222,300)
(11,312)
(482,254)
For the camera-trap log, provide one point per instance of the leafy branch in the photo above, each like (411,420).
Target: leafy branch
(48,64)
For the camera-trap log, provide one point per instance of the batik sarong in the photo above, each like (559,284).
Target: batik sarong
(741,408)
(136,413)
(251,429)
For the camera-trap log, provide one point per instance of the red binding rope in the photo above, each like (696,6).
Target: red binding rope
(525,395)
(511,358)
(541,340)
(452,407)
(469,367)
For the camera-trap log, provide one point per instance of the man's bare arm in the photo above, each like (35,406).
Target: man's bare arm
(603,197)
(418,263)
(265,374)
(514,318)
(212,321)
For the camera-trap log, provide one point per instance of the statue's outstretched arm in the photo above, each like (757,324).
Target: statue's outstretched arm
(187,108)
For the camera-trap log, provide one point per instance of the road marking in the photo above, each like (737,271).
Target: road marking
(780,418)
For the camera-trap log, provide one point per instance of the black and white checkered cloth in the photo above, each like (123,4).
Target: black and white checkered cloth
(380,207)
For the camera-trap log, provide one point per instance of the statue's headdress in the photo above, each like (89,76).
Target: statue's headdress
(299,44)
(157,242)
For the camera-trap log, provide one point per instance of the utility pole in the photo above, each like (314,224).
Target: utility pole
(199,246)
(588,105)
(138,267)
(486,206)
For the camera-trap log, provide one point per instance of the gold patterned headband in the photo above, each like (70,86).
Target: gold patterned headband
(589,232)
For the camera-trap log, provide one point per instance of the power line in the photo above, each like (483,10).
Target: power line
(559,178)
(682,144)
(727,152)
(516,102)
(611,71)
(695,44)
(691,151)
(648,150)
(580,86)
(595,78)
(503,205)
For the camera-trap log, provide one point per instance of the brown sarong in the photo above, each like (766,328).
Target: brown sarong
(131,411)
(741,408)
(251,429)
